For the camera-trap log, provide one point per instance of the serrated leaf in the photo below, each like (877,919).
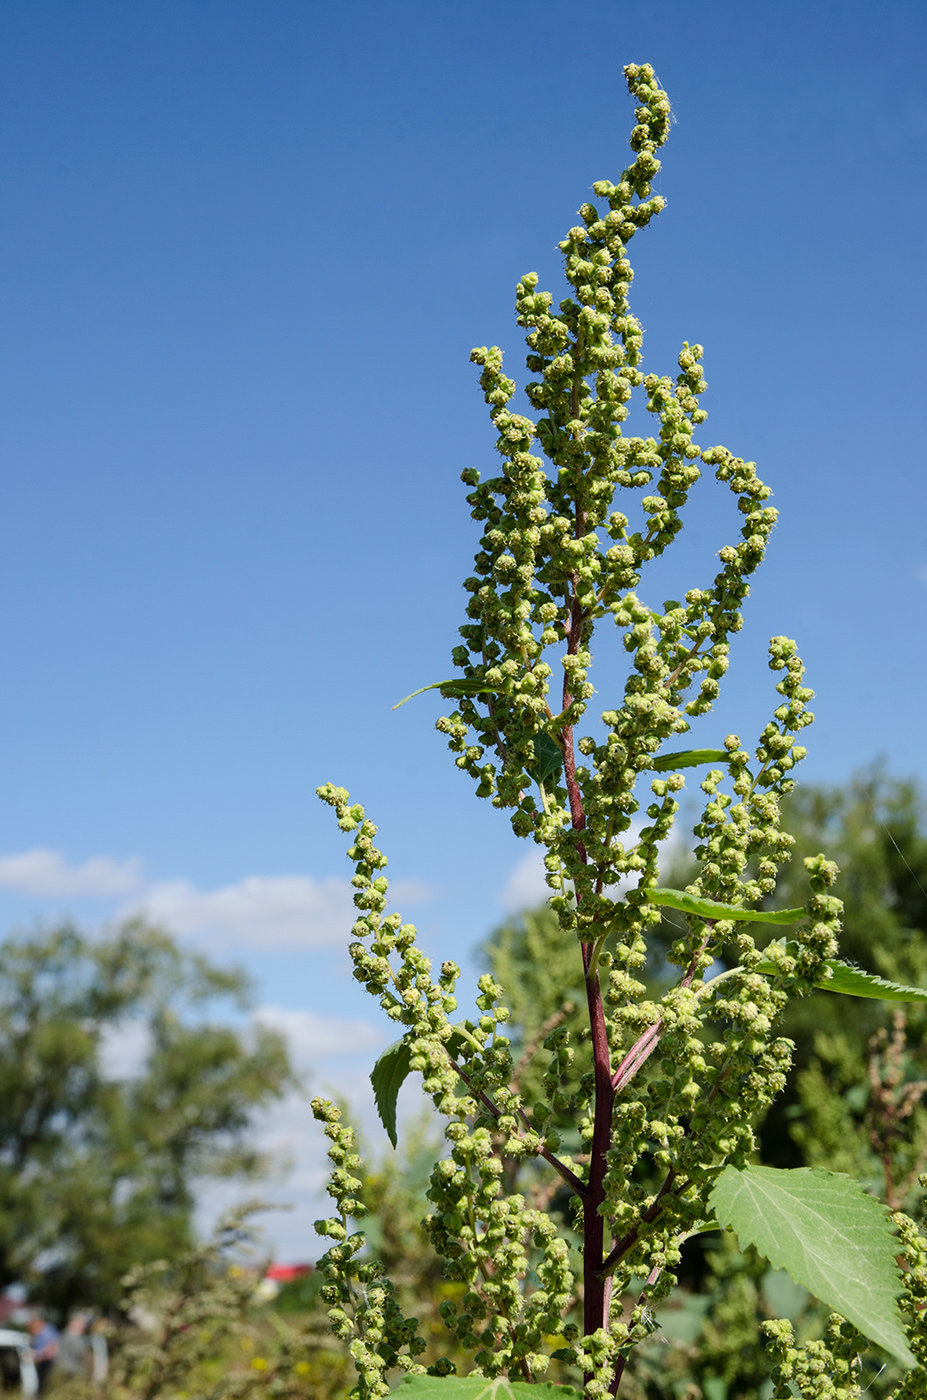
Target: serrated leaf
(549,759)
(454,689)
(479,1388)
(831,1237)
(390,1073)
(387,1077)
(854,982)
(688,758)
(714,909)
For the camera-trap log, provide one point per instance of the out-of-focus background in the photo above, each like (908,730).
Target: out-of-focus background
(246,250)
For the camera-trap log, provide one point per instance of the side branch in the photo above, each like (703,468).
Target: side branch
(628,1241)
(643,1048)
(569,1176)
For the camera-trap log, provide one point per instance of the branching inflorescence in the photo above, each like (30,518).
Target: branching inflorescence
(677,1083)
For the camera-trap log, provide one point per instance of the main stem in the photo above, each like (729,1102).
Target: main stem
(596,1290)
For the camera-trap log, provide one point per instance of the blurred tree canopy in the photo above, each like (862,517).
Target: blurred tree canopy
(119,1092)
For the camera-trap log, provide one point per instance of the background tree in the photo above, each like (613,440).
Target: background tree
(98,1164)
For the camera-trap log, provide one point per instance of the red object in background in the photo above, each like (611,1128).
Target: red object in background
(285,1273)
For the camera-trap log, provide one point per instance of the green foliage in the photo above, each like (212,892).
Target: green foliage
(191,1329)
(188,1307)
(715,909)
(855,1100)
(828,1234)
(876,828)
(534,958)
(452,688)
(390,1073)
(458,1388)
(689,758)
(583,1150)
(300,1294)
(840,977)
(387,1077)
(96,1172)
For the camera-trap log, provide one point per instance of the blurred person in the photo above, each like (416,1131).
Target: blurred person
(45,1339)
(99,1352)
(73,1349)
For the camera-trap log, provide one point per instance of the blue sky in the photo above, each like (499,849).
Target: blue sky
(246,250)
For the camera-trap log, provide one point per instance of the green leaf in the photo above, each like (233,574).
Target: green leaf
(713,909)
(701,1227)
(549,756)
(479,1388)
(387,1077)
(454,689)
(854,982)
(689,758)
(831,1237)
(390,1073)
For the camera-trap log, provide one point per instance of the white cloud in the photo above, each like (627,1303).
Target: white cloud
(526,886)
(47,874)
(312,1036)
(294,912)
(260,911)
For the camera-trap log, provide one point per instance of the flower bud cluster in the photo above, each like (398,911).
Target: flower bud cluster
(828,1369)
(363,1310)
(597,1352)
(913,1301)
(676,1084)
(491,1242)
(556,557)
(483,1240)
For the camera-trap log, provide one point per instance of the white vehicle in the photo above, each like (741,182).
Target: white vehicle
(17,1368)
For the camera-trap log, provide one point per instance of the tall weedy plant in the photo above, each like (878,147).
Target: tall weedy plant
(665,1113)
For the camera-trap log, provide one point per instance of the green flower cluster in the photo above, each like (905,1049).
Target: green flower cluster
(827,1369)
(914,1302)
(676,1084)
(362,1305)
